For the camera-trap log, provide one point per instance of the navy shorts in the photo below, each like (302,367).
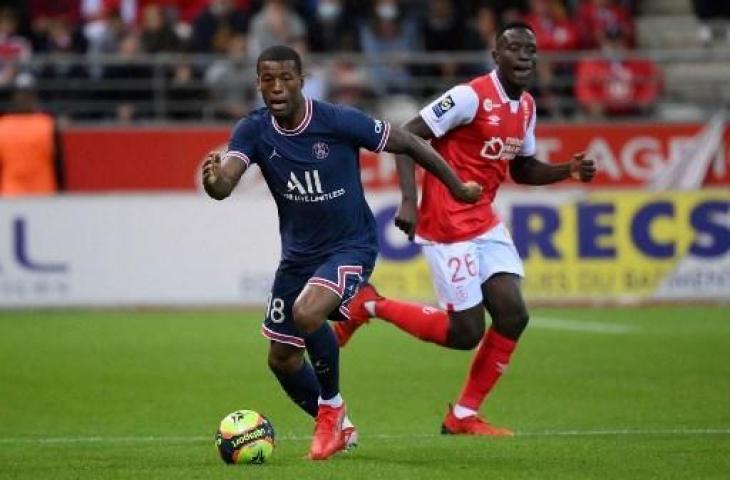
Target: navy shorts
(342,273)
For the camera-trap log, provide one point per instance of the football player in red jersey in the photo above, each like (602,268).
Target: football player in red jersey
(481,128)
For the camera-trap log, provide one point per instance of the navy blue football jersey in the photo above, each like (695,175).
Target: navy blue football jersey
(313,173)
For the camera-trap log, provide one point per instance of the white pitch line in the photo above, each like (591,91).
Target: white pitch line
(380,436)
(587,326)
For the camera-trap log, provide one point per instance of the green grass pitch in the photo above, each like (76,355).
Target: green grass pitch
(591,393)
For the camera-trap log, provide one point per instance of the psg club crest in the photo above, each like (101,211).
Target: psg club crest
(320,150)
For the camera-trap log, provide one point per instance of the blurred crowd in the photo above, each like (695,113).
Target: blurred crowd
(116,39)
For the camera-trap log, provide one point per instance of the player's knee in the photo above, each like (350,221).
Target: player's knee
(284,363)
(465,335)
(306,319)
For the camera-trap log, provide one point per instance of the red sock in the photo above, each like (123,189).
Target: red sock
(427,323)
(489,363)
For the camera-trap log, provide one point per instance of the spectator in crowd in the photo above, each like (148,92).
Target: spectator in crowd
(128,81)
(14,49)
(30,151)
(127,10)
(482,38)
(106,22)
(185,93)
(64,71)
(555,32)
(505,10)
(60,36)
(389,30)
(217,24)
(595,18)
(331,28)
(276,24)
(189,10)
(712,15)
(231,81)
(350,83)
(443,29)
(157,32)
(629,5)
(612,84)
(44,15)
(103,31)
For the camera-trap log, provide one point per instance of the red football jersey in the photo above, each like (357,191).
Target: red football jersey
(478,130)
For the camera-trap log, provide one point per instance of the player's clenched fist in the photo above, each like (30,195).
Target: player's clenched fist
(406,218)
(470,192)
(582,168)
(211,168)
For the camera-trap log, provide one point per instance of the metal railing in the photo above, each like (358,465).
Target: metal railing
(208,88)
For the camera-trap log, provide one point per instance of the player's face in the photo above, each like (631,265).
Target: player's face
(516,57)
(281,87)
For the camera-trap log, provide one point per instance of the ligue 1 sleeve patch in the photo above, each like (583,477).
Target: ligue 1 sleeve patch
(443,106)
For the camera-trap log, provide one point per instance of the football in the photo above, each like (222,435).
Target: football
(245,436)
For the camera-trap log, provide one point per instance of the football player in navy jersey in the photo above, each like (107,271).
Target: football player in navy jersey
(308,155)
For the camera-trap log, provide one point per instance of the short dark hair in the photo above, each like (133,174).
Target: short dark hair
(280,53)
(511,26)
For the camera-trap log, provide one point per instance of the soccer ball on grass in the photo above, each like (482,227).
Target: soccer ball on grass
(245,436)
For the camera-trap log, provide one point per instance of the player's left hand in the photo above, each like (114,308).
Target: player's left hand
(406,218)
(211,168)
(582,168)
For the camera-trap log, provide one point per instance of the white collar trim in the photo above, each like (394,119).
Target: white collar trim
(302,125)
(503,97)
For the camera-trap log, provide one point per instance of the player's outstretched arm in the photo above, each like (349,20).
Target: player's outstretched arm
(531,171)
(221,177)
(406,218)
(401,141)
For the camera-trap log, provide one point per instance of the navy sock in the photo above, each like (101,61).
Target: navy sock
(302,387)
(324,353)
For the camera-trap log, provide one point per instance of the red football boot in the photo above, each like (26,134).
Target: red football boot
(359,316)
(329,437)
(472,425)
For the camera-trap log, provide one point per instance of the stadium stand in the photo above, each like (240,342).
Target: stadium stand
(143,61)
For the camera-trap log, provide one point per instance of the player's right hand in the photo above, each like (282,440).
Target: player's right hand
(406,218)
(211,168)
(470,192)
